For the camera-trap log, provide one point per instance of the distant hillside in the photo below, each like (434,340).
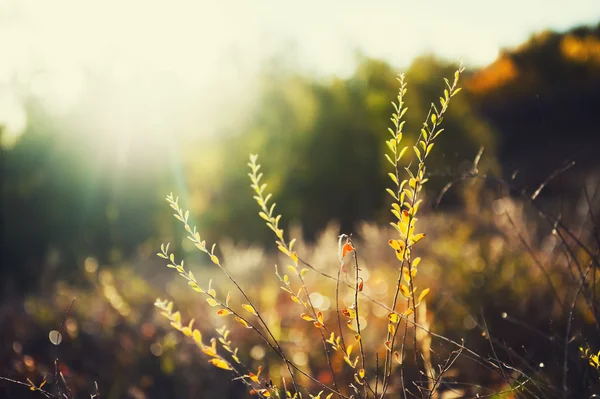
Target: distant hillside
(543,97)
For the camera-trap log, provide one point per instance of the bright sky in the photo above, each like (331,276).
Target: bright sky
(210,46)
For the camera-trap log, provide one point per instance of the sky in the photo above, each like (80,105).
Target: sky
(212,47)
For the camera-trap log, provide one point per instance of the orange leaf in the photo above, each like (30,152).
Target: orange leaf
(347,248)
(398,357)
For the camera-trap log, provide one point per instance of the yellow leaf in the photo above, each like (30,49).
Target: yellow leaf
(243,322)
(396,244)
(176,326)
(187,331)
(416,238)
(197,336)
(423,294)
(210,350)
(264,216)
(349,312)
(429,147)
(404,291)
(393,194)
(292,269)
(347,360)
(392,328)
(176,317)
(320,317)
(306,317)
(358,381)
(394,318)
(361,373)
(214,259)
(211,302)
(250,309)
(223,312)
(294,257)
(220,363)
(417,152)
(195,286)
(351,325)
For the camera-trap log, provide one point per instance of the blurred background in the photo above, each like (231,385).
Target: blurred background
(108,106)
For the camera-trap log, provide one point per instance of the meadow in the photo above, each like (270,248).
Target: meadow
(382,236)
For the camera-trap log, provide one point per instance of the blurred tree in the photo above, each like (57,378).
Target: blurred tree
(543,97)
(61,205)
(322,142)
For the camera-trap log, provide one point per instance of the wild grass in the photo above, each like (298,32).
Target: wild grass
(487,303)
(393,358)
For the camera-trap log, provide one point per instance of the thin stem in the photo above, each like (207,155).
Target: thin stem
(360,341)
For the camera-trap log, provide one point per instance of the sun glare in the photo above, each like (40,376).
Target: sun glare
(183,61)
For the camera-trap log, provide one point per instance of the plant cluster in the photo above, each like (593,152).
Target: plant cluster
(372,376)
